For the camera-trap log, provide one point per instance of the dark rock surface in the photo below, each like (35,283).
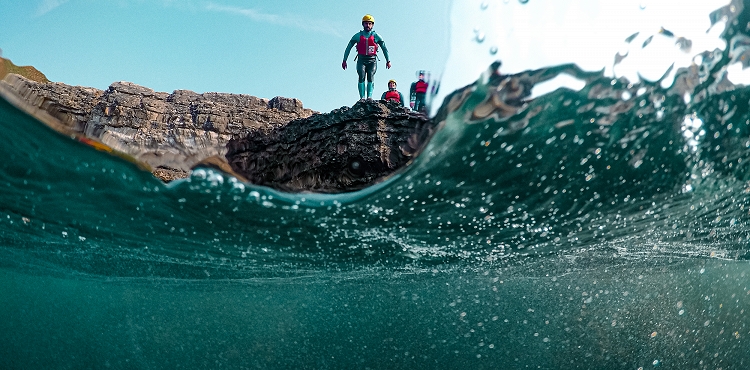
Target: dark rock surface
(344,150)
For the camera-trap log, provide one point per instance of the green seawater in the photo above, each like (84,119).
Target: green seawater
(585,230)
(679,314)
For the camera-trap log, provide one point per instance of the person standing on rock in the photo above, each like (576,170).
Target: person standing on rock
(367,42)
(392,94)
(418,92)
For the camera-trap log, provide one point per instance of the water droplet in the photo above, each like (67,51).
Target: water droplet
(484,5)
(506,1)
(523,1)
(642,5)
(479,36)
(493,50)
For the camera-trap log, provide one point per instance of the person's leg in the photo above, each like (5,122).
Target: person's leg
(419,105)
(371,69)
(370,89)
(361,73)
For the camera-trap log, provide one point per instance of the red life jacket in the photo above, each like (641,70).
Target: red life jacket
(393,95)
(367,46)
(421,87)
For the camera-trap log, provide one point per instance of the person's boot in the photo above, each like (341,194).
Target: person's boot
(370,88)
(361,87)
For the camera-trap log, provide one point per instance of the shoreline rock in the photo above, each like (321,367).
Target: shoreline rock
(346,149)
(276,143)
(168,131)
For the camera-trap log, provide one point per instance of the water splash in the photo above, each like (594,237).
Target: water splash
(524,215)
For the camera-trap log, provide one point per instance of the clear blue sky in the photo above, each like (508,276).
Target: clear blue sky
(262,48)
(294,48)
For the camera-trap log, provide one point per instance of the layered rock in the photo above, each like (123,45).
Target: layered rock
(344,150)
(276,142)
(169,132)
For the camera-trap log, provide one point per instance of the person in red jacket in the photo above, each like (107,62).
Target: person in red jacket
(392,94)
(418,92)
(367,42)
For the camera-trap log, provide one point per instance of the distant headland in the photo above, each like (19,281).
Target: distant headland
(33,74)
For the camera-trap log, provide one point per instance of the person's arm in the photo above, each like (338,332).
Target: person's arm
(412,94)
(348,49)
(401,96)
(383,97)
(380,42)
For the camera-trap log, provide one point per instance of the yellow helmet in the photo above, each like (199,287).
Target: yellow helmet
(394,82)
(368,18)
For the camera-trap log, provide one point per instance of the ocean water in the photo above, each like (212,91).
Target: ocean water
(602,226)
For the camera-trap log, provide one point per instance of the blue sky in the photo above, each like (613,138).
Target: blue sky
(261,48)
(294,48)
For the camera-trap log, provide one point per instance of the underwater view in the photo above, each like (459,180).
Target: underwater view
(600,224)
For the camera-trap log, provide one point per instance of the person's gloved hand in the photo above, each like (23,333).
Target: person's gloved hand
(343,64)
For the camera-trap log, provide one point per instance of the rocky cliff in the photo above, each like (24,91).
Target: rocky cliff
(346,149)
(168,132)
(276,142)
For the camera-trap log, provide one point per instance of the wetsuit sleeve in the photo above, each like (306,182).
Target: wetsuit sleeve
(413,92)
(352,42)
(401,96)
(383,97)
(379,41)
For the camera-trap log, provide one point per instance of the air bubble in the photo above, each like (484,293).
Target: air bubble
(493,50)
(523,1)
(484,5)
(642,5)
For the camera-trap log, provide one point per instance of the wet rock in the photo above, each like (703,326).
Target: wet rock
(344,150)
